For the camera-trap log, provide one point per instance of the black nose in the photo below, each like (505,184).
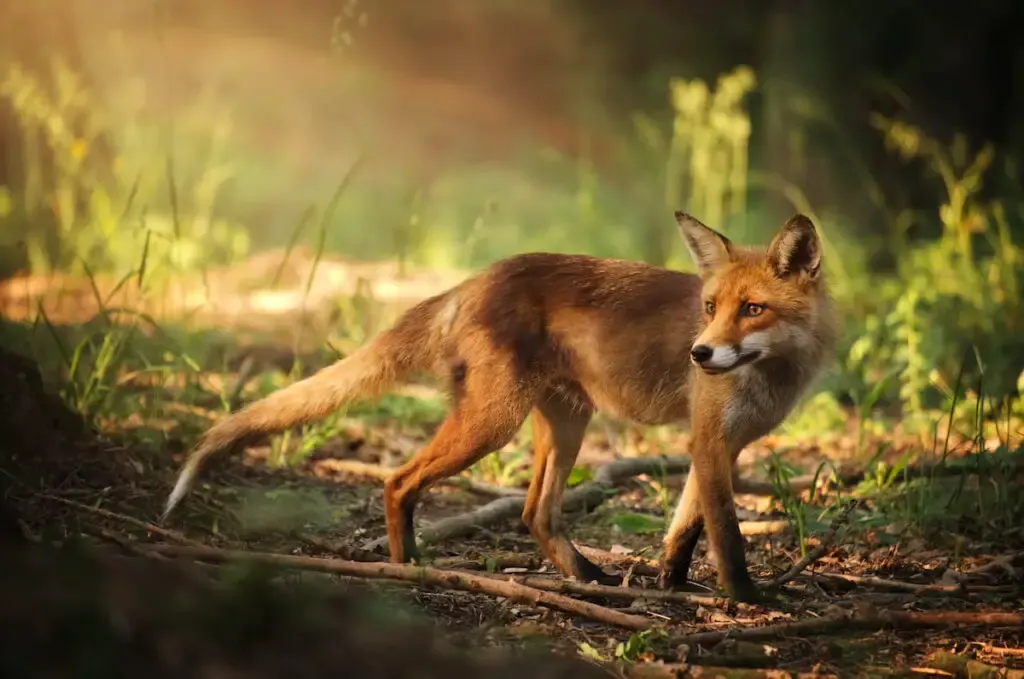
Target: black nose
(701,353)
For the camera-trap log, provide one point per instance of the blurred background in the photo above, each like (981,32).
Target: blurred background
(175,154)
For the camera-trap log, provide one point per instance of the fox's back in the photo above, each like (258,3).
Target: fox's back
(616,331)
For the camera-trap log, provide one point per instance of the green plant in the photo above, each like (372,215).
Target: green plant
(113,214)
(961,290)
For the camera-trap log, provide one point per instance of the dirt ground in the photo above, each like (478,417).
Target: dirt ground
(63,483)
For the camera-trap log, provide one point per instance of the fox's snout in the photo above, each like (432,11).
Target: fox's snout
(721,358)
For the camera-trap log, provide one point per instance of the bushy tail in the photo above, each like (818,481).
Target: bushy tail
(406,347)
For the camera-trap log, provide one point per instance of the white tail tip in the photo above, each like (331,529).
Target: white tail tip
(181,489)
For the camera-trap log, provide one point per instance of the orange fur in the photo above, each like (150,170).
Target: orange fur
(558,337)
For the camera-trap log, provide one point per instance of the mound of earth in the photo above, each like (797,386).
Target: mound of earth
(42,442)
(77,611)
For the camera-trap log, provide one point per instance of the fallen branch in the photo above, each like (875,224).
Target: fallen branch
(625,593)
(894,585)
(818,552)
(588,495)
(106,513)
(849,623)
(467,582)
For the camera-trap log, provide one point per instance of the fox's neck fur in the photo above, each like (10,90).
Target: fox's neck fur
(768,390)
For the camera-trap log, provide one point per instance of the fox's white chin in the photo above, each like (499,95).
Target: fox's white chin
(715,367)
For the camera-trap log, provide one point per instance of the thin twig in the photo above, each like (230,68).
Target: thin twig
(627,593)
(106,513)
(468,582)
(817,553)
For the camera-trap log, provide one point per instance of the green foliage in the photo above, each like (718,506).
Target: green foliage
(133,213)
(632,523)
(971,496)
(948,298)
(819,413)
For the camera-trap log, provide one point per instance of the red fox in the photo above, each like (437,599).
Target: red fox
(557,337)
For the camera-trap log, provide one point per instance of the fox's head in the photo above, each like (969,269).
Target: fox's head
(757,303)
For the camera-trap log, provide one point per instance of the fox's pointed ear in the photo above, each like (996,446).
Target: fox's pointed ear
(796,249)
(709,249)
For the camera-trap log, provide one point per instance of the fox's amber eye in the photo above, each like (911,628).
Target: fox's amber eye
(752,309)
(709,308)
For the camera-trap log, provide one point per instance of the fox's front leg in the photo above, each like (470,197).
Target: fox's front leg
(707,501)
(682,536)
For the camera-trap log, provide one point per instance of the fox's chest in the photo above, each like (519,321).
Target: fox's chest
(760,403)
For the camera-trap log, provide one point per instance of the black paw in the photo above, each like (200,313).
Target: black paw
(671,581)
(745,592)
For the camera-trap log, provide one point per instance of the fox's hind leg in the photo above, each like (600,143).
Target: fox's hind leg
(489,408)
(558,429)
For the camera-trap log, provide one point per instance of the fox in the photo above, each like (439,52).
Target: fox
(556,338)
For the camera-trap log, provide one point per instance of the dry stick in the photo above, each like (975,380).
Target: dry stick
(467,582)
(629,593)
(106,513)
(816,553)
(846,623)
(894,585)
